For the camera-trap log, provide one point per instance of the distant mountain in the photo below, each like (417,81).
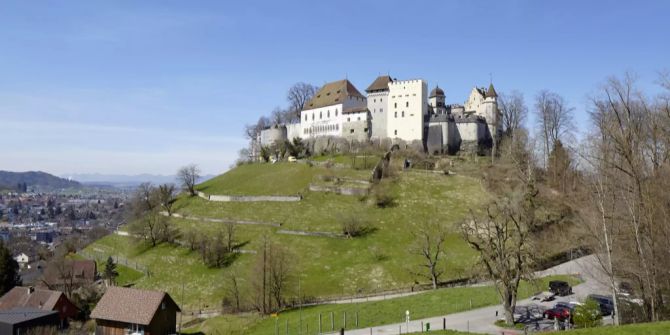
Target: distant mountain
(125,180)
(37,180)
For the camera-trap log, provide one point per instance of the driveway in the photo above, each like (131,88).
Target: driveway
(481,320)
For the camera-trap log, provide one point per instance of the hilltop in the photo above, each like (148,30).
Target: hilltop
(35,179)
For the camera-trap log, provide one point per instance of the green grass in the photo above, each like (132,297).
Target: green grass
(328,267)
(426,304)
(271,179)
(170,267)
(656,328)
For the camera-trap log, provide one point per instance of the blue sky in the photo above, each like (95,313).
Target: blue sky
(147,86)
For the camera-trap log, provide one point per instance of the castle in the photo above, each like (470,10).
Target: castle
(397,112)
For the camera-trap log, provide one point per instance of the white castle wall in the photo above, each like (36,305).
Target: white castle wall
(323,121)
(408,103)
(378,106)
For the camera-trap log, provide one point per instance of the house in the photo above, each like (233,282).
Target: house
(23,259)
(46,300)
(20,321)
(127,310)
(69,275)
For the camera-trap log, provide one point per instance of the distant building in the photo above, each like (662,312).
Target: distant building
(401,111)
(21,321)
(126,310)
(23,259)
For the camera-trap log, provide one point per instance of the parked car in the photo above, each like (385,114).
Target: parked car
(569,305)
(605,302)
(560,313)
(560,288)
(292,159)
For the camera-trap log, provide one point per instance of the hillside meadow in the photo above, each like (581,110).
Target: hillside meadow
(326,266)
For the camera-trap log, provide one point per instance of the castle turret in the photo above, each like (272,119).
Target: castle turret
(491,111)
(436,100)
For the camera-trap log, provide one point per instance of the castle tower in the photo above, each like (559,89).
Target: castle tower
(378,100)
(491,111)
(436,100)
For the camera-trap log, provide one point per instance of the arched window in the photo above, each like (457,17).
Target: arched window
(407,104)
(403,114)
(328,113)
(312,116)
(335,111)
(396,114)
(320,115)
(395,105)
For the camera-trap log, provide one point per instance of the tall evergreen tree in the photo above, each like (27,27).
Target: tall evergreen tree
(110,273)
(9,270)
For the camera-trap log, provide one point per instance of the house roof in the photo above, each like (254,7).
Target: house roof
(380,84)
(130,305)
(20,315)
(23,297)
(333,93)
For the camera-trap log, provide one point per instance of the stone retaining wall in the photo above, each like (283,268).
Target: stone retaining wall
(249,198)
(339,189)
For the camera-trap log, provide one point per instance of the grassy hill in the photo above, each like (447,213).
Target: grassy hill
(326,266)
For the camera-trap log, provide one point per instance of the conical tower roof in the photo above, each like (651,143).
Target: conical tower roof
(491,93)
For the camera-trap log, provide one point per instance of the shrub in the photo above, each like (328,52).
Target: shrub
(354,226)
(587,315)
(381,195)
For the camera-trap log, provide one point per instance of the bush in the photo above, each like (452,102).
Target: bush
(381,195)
(587,315)
(354,226)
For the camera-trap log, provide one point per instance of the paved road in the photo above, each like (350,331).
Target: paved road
(481,320)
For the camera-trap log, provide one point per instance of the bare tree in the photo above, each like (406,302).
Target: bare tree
(188,176)
(230,236)
(501,238)
(429,243)
(271,275)
(145,214)
(629,164)
(514,112)
(233,290)
(166,196)
(554,120)
(298,95)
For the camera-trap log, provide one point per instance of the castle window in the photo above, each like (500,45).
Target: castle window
(351,131)
(305,117)
(381,99)
(348,119)
(381,110)
(328,113)
(403,114)
(359,118)
(374,100)
(335,111)
(395,105)
(396,114)
(407,104)
(395,132)
(312,116)
(365,130)
(320,115)
(337,127)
